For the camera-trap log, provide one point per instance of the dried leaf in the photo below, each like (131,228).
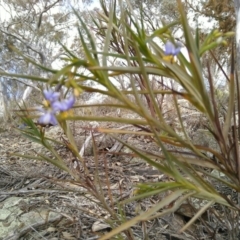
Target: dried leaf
(68,236)
(100,226)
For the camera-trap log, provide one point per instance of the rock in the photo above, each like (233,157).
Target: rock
(14,219)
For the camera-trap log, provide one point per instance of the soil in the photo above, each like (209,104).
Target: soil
(71,211)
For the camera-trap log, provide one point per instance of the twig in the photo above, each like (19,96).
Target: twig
(24,191)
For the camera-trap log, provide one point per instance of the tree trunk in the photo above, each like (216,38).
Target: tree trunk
(4,113)
(237,11)
(26,93)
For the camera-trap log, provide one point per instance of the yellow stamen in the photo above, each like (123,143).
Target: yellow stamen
(169,58)
(46,103)
(64,115)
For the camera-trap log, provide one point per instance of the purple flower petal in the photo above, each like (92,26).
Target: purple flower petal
(51,95)
(48,118)
(54,121)
(170,49)
(70,101)
(63,105)
(177,51)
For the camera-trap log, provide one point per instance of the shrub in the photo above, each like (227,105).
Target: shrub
(143,59)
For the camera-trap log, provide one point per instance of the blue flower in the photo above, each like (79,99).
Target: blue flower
(63,105)
(48,117)
(51,96)
(170,49)
(55,106)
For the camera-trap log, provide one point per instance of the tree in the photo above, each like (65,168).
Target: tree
(237,12)
(34,29)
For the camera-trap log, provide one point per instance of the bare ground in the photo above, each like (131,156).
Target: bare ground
(40,186)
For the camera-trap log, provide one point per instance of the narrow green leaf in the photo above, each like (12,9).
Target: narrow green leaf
(144,216)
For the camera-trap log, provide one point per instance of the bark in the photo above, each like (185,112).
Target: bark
(4,113)
(1,101)
(237,11)
(26,93)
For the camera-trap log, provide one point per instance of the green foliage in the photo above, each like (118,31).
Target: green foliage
(125,38)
